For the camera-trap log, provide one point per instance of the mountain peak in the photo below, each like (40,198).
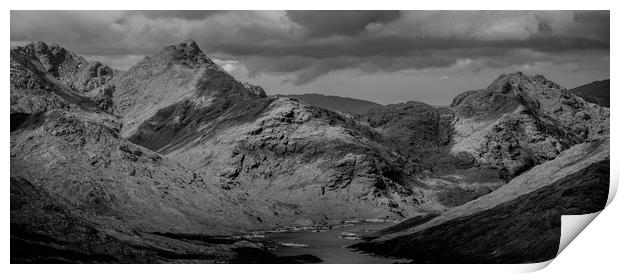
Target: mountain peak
(505,82)
(40,47)
(188,43)
(187,53)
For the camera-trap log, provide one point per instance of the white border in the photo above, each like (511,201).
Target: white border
(595,249)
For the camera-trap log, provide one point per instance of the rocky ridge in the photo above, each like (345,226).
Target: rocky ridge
(520,121)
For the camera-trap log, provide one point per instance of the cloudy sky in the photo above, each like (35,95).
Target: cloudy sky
(382,56)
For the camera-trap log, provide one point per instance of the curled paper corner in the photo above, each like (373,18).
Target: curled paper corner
(572,225)
(613,188)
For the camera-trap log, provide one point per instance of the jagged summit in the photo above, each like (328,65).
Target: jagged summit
(73,70)
(507,82)
(186,53)
(189,43)
(50,56)
(48,76)
(521,120)
(179,77)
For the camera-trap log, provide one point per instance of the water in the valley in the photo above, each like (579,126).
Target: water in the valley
(329,244)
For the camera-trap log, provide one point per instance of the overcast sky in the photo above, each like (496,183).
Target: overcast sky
(382,56)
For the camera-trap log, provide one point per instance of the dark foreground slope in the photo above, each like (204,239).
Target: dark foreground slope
(517,223)
(47,228)
(596,92)
(335,103)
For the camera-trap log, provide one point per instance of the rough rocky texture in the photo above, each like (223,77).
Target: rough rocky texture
(44,78)
(159,84)
(79,156)
(335,103)
(597,92)
(72,70)
(421,134)
(416,130)
(520,121)
(321,165)
(517,223)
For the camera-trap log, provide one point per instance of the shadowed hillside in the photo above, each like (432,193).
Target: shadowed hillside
(596,92)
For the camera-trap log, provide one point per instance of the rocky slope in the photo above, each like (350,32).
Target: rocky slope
(517,223)
(335,103)
(79,156)
(169,83)
(596,92)
(47,77)
(74,71)
(520,121)
(422,133)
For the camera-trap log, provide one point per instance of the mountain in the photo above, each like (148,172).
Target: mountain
(553,147)
(517,223)
(47,77)
(520,121)
(68,160)
(174,159)
(167,84)
(596,92)
(335,103)
(195,113)
(318,166)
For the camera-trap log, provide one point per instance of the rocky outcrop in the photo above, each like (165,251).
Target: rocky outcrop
(80,157)
(517,223)
(421,134)
(46,77)
(161,84)
(520,121)
(73,70)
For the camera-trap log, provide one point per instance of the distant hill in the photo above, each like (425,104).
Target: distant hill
(337,103)
(596,92)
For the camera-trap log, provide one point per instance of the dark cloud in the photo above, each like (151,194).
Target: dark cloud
(597,22)
(177,14)
(392,45)
(305,45)
(330,22)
